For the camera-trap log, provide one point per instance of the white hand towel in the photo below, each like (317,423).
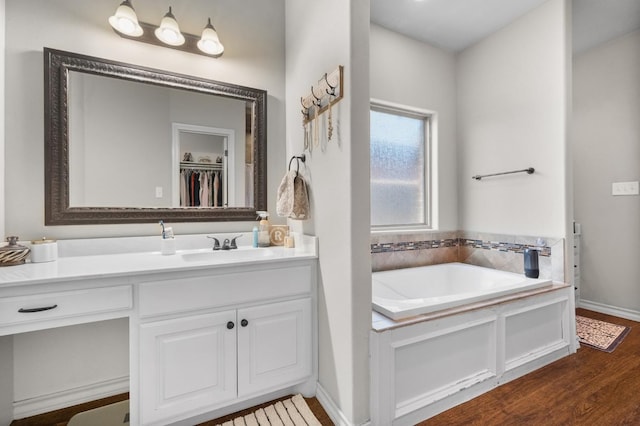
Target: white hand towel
(293,199)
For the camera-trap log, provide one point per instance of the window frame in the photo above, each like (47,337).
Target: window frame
(430,121)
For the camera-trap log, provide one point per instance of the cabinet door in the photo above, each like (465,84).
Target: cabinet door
(187,365)
(274,346)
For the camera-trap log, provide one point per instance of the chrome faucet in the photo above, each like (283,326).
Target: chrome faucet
(226,244)
(216,242)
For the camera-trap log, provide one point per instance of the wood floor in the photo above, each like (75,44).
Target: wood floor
(591,388)
(61,417)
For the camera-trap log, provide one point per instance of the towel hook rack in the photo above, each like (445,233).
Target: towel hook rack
(328,91)
(299,158)
(529,171)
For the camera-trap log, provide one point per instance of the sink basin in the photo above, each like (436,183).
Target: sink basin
(239,254)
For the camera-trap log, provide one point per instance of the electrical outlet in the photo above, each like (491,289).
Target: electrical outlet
(158,192)
(624,188)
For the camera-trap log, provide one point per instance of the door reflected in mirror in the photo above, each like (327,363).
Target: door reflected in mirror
(206,164)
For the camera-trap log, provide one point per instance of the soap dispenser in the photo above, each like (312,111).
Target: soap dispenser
(531,268)
(255,235)
(263,229)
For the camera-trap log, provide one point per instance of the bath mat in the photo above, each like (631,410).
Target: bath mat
(290,412)
(109,415)
(600,334)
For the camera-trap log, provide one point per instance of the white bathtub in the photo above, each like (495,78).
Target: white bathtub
(408,292)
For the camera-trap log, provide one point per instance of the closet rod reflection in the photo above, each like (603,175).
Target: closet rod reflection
(200,166)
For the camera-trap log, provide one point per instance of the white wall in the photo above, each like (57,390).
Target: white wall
(512,114)
(254,40)
(321,36)
(606,131)
(253,34)
(6,343)
(119,151)
(415,74)
(3,177)
(35,375)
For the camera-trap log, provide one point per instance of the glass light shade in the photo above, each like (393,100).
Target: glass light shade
(125,20)
(169,32)
(209,42)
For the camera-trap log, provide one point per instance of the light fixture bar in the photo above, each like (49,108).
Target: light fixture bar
(190,41)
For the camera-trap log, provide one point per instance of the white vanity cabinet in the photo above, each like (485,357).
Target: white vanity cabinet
(209,332)
(208,341)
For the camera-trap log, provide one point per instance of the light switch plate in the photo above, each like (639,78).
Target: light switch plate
(624,188)
(158,192)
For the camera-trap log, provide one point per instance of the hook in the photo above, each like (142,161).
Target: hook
(302,158)
(333,88)
(302,103)
(305,109)
(318,100)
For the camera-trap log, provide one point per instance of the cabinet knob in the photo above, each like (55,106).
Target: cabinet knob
(230,325)
(244,323)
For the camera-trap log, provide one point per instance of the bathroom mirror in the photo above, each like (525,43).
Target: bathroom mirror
(121,139)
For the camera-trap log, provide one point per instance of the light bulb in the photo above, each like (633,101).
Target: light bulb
(125,25)
(169,35)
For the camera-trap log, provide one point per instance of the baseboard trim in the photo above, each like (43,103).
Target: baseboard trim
(67,398)
(629,314)
(334,412)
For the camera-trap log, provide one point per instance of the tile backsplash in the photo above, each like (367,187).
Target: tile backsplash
(497,251)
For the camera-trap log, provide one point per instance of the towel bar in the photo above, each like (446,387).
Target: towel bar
(529,171)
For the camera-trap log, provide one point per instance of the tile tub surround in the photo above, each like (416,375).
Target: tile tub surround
(395,251)
(498,251)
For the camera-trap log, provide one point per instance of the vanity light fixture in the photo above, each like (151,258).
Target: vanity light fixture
(125,24)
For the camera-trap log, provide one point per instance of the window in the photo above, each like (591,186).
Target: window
(400,172)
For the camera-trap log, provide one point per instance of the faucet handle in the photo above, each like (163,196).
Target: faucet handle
(216,242)
(233,242)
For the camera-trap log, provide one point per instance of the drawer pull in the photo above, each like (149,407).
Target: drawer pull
(31,310)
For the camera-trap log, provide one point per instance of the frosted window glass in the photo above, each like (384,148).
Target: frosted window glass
(397,169)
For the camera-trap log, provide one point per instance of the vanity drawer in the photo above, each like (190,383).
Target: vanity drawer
(217,290)
(52,306)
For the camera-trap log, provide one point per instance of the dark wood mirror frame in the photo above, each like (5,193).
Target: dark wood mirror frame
(57,65)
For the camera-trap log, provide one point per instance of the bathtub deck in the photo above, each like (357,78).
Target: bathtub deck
(424,365)
(380,323)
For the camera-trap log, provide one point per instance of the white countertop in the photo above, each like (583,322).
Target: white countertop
(120,264)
